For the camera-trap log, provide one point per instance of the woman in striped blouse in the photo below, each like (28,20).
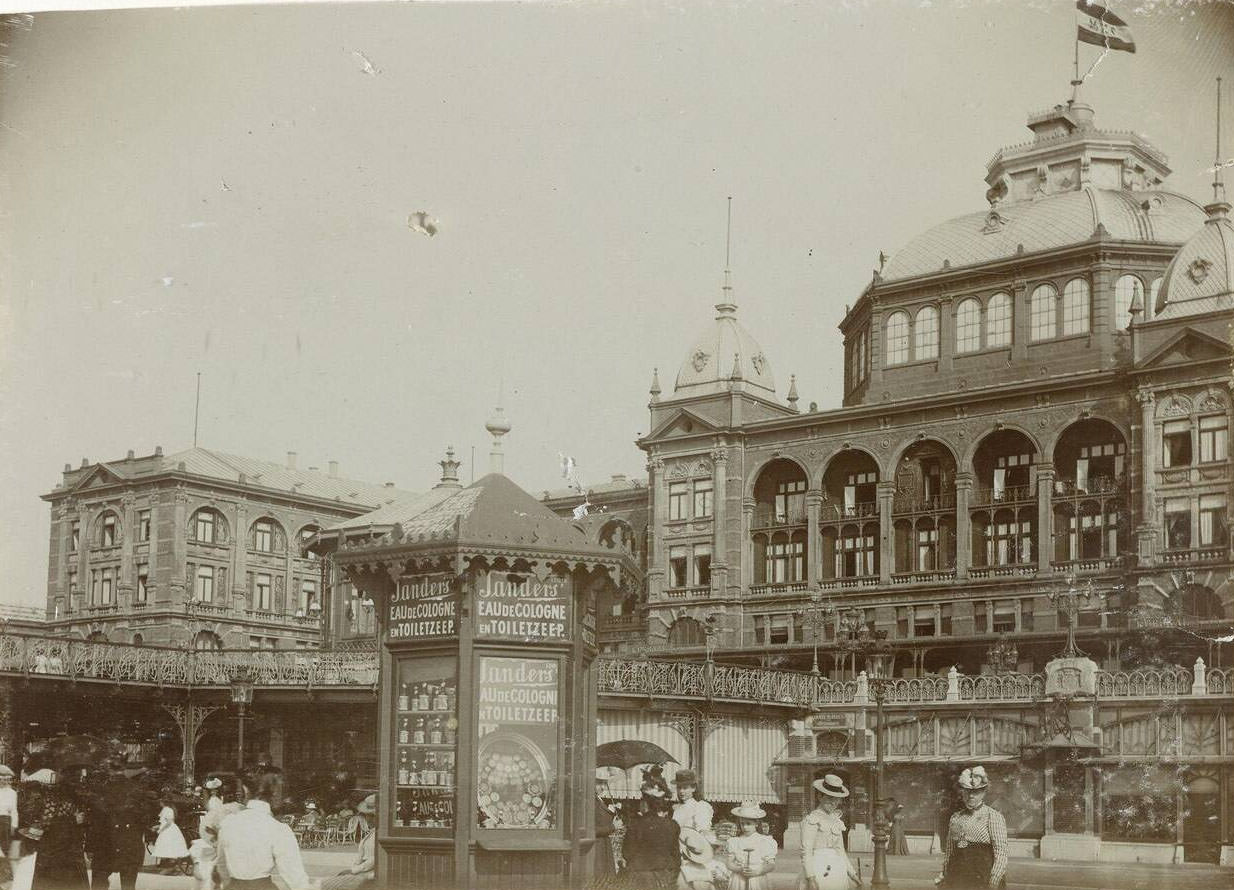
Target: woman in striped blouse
(975,855)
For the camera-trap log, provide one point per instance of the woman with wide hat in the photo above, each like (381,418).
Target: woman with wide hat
(700,870)
(751,856)
(975,852)
(825,863)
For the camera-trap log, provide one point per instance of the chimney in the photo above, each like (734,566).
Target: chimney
(158,450)
(312,469)
(619,477)
(389,485)
(291,460)
(85,462)
(130,455)
(333,469)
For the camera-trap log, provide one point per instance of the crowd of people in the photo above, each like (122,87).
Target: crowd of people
(680,844)
(93,823)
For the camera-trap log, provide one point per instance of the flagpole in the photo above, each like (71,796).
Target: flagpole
(1075,72)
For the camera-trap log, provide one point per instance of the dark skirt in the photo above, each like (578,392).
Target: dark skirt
(968,868)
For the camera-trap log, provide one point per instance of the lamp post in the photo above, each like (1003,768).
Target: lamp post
(242,696)
(816,618)
(1068,599)
(879,657)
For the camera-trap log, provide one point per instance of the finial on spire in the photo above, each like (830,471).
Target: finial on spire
(1218,183)
(449,470)
(655,384)
(726,305)
(792,391)
(497,427)
(736,375)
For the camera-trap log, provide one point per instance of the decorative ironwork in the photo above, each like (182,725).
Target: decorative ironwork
(1068,600)
(1003,656)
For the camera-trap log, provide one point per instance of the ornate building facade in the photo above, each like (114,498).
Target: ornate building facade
(201,549)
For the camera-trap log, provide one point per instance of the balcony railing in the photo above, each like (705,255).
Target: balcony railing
(779,589)
(849,583)
(1096,564)
(60,658)
(944,500)
(196,607)
(1094,485)
(688,593)
(923,577)
(1012,494)
(836,512)
(1195,554)
(620,622)
(1017,570)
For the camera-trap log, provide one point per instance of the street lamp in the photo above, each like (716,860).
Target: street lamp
(859,639)
(1069,597)
(816,618)
(241,695)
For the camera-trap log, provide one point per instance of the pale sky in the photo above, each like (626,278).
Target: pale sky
(577,158)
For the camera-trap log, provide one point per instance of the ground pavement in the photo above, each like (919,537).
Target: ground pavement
(904,873)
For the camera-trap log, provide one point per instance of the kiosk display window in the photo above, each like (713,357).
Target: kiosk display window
(518,725)
(426,744)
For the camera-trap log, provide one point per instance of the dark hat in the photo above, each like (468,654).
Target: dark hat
(686,777)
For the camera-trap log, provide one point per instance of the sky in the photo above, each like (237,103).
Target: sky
(226,191)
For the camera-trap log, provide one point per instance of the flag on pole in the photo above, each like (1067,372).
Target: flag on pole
(581,510)
(1100,27)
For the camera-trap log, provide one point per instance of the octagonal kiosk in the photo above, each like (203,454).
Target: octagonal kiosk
(486,617)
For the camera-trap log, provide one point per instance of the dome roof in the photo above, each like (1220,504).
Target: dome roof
(724,348)
(1043,223)
(1200,278)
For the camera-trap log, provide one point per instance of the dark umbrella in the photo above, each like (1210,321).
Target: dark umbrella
(631,752)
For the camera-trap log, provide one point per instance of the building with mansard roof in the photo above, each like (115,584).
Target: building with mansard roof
(1036,400)
(201,548)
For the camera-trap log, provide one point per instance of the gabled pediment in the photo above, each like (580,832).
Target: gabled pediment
(98,476)
(1187,346)
(684,422)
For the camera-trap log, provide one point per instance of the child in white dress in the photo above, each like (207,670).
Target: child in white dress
(751,856)
(169,846)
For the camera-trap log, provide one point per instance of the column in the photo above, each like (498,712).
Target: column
(11,741)
(814,543)
(719,531)
(659,506)
(128,537)
(886,531)
(1020,319)
(1146,533)
(747,544)
(181,586)
(877,348)
(82,556)
(946,335)
(963,524)
(239,564)
(1045,517)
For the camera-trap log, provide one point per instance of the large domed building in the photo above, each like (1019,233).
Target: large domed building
(1036,400)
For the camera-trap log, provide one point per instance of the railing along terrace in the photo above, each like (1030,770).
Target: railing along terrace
(914,503)
(1012,494)
(57,657)
(836,512)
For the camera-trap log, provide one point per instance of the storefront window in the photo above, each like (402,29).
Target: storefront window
(517,724)
(426,736)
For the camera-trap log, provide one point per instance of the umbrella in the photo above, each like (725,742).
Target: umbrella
(626,753)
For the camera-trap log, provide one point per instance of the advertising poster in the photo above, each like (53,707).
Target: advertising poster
(520,607)
(423,607)
(517,722)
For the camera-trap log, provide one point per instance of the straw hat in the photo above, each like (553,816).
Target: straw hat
(974,779)
(695,846)
(368,806)
(214,782)
(6,773)
(749,810)
(831,785)
(310,806)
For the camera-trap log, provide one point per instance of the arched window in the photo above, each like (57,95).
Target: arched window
(1126,290)
(306,535)
(138,639)
(108,530)
(897,338)
(208,527)
(266,536)
(1075,307)
(1044,313)
(998,321)
(968,326)
(687,632)
(926,330)
(206,641)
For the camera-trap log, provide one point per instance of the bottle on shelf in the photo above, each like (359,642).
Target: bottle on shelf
(404,731)
(404,769)
(451,731)
(440,702)
(404,698)
(418,731)
(423,701)
(435,731)
(413,772)
(451,696)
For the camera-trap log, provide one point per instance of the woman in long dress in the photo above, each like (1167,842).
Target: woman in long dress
(751,856)
(825,863)
(60,863)
(975,852)
(169,846)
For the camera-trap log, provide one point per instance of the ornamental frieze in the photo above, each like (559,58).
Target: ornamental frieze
(1174,405)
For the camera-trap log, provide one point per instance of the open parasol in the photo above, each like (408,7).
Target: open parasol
(628,753)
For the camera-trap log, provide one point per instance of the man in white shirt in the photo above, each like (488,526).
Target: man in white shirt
(8,821)
(691,811)
(253,846)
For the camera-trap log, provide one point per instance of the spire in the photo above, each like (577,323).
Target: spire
(726,306)
(497,426)
(792,391)
(655,385)
(449,470)
(1220,207)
